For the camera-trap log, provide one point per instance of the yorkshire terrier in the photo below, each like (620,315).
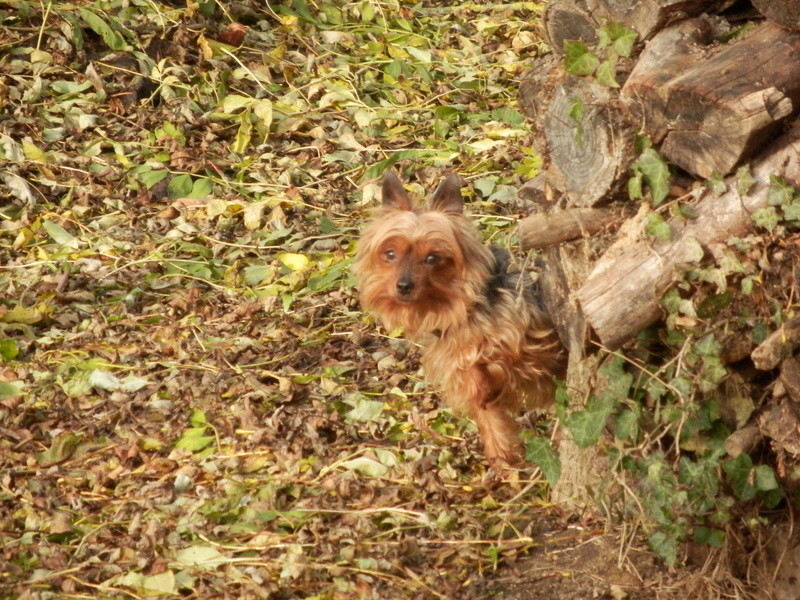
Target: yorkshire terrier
(487,340)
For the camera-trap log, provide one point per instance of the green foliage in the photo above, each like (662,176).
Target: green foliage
(652,170)
(540,451)
(614,41)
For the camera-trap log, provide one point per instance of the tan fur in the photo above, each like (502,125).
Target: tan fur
(492,356)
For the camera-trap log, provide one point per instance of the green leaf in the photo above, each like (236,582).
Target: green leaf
(58,233)
(540,451)
(779,192)
(657,227)
(635,188)
(204,557)
(607,73)
(198,418)
(180,186)
(365,410)
(766,217)
(578,59)
(8,349)
(194,439)
(744,180)
(627,426)
(256,274)
(738,471)
(10,389)
(665,546)
(791,211)
(655,173)
(151,177)
(61,449)
(365,466)
(112,39)
(586,427)
(712,537)
(508,115)
(620,38)
(765,478)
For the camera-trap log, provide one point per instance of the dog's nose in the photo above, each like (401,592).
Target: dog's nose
(405,286)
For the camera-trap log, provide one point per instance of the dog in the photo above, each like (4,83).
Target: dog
(487,340)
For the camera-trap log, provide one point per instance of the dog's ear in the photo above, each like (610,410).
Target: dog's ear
(393,193)
(447,197)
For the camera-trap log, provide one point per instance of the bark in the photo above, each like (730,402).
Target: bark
(778,345)
(711,107)
(785,12)
(579,19)
(621,296)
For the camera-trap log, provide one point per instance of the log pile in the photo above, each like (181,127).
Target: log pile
(715,87)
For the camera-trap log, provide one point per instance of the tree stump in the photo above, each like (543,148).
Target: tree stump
(589,140)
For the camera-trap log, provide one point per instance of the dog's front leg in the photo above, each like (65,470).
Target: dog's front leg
(488,406)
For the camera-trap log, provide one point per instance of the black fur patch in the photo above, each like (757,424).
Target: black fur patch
(498,280)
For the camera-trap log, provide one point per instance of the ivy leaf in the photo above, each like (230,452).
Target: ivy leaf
(712,537)
(766,217)
(657,227)
(540,451)
(587,425)
(620,38)
(578,59)
(607,73)
(738,471)
(655,174)
(665,546)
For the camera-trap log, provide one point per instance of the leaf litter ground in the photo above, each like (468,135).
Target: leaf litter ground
(191,402)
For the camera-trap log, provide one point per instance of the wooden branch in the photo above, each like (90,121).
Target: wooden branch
(743,440)
(785,12)
(542,230)
(778,345)
(621,296)
(715,106)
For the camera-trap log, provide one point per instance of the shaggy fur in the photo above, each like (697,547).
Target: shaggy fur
(486,341)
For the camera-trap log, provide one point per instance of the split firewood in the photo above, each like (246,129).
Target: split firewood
(712,106)
(579,19)
(785,12)
(790,378)
(622,297)
(778,345)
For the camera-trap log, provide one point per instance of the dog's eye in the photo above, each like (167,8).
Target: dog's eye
(390,255)
(432,259)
